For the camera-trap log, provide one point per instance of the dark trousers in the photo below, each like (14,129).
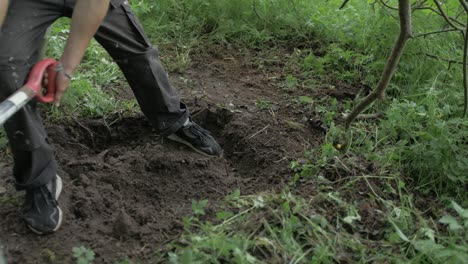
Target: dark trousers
(121,34)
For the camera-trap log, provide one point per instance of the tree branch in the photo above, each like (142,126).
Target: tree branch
(388,6)
(345,2)
(404,12)
(444,15)
(435,32)
(440,14)
(418,4)
(439,58)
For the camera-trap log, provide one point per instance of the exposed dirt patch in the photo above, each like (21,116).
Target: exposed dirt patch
(127,189)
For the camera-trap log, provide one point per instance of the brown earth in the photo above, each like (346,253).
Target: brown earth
(127,189)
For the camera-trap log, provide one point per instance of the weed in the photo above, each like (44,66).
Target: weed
(291,83)
(295,125)
(198,207)
(263,104)
(49,255)
(12,200)
(83,255)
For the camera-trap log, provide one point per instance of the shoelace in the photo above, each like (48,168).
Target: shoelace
(198,131)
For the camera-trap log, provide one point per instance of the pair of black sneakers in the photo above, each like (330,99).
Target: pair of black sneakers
(42,213)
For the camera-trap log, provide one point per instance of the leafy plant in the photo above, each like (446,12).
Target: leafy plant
(263,104)
(83,255)
(198,207)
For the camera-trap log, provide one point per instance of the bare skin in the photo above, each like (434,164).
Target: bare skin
(3,10)
(86,18)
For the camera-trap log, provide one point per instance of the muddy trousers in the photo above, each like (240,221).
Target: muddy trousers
(120,34)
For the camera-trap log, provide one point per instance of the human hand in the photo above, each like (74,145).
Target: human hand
(62,83)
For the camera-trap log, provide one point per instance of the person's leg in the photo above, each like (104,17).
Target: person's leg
(21,40)
(122,35)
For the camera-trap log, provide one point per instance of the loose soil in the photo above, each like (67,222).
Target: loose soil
(126,189)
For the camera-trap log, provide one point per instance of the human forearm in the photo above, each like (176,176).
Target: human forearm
(87,16)
(3,10)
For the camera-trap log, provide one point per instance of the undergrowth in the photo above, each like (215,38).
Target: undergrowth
(387,191)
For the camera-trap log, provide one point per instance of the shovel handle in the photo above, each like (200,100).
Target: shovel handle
(37,75)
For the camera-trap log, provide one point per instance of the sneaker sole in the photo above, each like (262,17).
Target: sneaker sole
(58,187)
(180,140)
(58,191)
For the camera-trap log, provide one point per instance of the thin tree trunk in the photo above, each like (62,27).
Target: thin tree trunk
(404,10)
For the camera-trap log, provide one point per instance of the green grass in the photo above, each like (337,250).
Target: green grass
(296,228)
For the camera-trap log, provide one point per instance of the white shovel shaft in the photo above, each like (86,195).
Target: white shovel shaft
(14,103)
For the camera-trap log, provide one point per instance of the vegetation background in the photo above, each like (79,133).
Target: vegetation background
(419,146)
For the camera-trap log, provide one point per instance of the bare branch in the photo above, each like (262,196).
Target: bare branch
(388,6)
(444,15)
(367,116)
(436,32)
(404,12)
(440,14)
(439,58)
(345,2)
(418,4)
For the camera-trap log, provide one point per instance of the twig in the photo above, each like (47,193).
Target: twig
(366,116)
(87,129)
(442,59)
(258,132)
(417,5)
(278,161)
(217,191)
(440,14)
(436,32)
(444,15)
(372,189)
(387,6)
(345,2)
(232,218)
(83,162)
(344,165)
(78,144)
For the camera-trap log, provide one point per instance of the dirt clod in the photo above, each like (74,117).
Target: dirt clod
(124,225)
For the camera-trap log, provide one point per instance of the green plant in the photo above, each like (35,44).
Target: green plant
(198,207)
(290,83)
(83,255)
(263,104)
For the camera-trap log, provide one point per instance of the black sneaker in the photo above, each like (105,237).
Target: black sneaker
(41,212)
(197,138)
